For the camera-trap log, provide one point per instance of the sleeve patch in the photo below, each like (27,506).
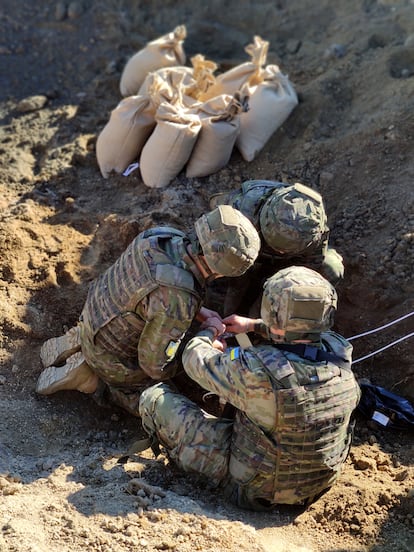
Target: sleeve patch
(235,353)
(172,348)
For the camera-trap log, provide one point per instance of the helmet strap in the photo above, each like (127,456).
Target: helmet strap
(201,264)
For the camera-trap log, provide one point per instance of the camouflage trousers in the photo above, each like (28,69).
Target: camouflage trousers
(195,440)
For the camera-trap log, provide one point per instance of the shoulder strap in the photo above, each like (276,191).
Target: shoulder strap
(162,231)
(310,352)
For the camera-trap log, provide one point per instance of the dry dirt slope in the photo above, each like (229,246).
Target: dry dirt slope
(61,224)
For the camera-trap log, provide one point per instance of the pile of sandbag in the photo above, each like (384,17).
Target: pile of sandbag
(175,117)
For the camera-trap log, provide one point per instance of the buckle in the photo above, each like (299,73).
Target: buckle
(311,353)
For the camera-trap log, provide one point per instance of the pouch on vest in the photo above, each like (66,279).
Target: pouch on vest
(231,81)
(170,145)
(270,103)
(121,140)
(219,130)
(165,51)
(386,408)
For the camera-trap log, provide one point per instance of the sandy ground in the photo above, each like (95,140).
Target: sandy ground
(61,224)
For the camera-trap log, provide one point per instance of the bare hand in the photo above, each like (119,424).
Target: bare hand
(219,344)
(215,323)
(239,324)
(204,314)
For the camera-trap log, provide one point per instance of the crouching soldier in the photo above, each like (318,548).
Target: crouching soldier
(292,224)
(293,393)
(137,312)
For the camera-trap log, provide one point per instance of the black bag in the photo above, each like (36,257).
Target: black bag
(386,408)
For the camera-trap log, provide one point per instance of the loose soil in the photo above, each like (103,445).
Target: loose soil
(61,224)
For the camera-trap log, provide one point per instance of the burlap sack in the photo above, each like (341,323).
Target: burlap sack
(166,51)
(121,140)
(176,76)
(270,104)
(219,129)
(232,81)
(176,81)
(131,122)
(204,79)
(170,145)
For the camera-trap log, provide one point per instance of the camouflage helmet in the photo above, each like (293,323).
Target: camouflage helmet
(229,241)
(298,299)
(293,219)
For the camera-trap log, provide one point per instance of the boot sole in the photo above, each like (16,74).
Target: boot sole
(55,351)
(74,375)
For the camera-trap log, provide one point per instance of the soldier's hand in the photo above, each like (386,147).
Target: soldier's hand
(239,324)
(215,324)
(204,314)
(220,344)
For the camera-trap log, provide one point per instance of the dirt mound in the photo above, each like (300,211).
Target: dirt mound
(61,224)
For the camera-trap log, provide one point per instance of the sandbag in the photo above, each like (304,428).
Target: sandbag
(232,81)
(165,51)
(220,125)
(204,79)
(121,140)
(270,104)
(169,147)
(171,75)
(175,83)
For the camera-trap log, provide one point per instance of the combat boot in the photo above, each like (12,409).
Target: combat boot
(74,375)
(55,351)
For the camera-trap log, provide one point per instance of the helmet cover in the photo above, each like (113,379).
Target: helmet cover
(229,241)
(298,299)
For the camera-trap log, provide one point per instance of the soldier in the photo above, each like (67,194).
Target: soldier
(137,312)
(293,394)
(292,224)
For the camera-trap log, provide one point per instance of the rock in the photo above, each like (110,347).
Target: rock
(32,103)
(60,11)
(75,9)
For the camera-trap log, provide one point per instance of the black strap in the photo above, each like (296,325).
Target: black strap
(310,352)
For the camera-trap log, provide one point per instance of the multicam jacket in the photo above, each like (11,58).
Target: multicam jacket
(139,309)
(292,429)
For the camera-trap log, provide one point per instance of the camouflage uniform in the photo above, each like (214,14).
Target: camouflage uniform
(137,312)
(292,429)
(293,402)
(239,295)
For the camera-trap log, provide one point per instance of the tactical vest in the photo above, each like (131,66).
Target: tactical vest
(253,194)
(152,259)
(302,454)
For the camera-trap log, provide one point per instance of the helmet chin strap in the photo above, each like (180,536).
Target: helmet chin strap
(210,274)
(203,267)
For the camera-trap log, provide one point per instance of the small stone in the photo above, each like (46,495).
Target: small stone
(75,9)
(334,51)
(325,177)
(364,464)
(2,380)
(409,41)
(401,475)
(60,11)
(32,103)
(293,45)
